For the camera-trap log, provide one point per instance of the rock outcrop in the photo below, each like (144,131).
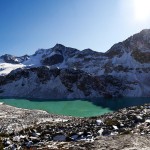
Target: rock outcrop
(43,82)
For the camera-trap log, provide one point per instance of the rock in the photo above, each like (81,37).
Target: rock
(100,132)
(6,142)
(23,136)
(80,133)
(99,122)
(90,138)
(115,127)
(114,133)
(16,139)
(34,139)
(147,121)
(59,137)
(81,138)
(29,144)
(36,134)
(106,132)
(12,147)
(138,119)
(47,137)
(121,125)
(74,137)
(54,59)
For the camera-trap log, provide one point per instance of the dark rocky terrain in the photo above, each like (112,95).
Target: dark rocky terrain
(91,86)
(116,130)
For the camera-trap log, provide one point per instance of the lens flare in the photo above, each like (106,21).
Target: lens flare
(141,10)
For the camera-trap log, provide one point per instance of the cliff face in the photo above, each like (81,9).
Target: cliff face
(42,82)
(63,72)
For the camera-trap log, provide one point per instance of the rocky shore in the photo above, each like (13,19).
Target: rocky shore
(128,128)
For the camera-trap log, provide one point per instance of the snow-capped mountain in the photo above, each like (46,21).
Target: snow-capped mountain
(13,59)
(64,72)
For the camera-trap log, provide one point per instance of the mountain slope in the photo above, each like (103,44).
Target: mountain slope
(43,82)
(124,70)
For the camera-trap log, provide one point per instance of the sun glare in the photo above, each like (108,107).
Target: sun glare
(141,9)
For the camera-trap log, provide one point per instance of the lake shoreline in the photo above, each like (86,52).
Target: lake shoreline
(77,107)
(34,126)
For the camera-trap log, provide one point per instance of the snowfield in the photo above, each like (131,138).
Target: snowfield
(6,68)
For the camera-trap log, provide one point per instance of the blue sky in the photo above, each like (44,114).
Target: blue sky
(27,25)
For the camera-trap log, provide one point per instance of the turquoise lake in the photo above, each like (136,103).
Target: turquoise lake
(78,107)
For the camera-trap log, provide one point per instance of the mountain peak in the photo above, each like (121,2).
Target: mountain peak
(143,36)
(58,47)
(145,31)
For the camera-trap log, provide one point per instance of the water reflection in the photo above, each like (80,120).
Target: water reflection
(118,103)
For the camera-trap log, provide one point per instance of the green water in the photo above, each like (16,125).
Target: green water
(80,107)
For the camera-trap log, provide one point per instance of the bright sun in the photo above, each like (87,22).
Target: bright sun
(141,9)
